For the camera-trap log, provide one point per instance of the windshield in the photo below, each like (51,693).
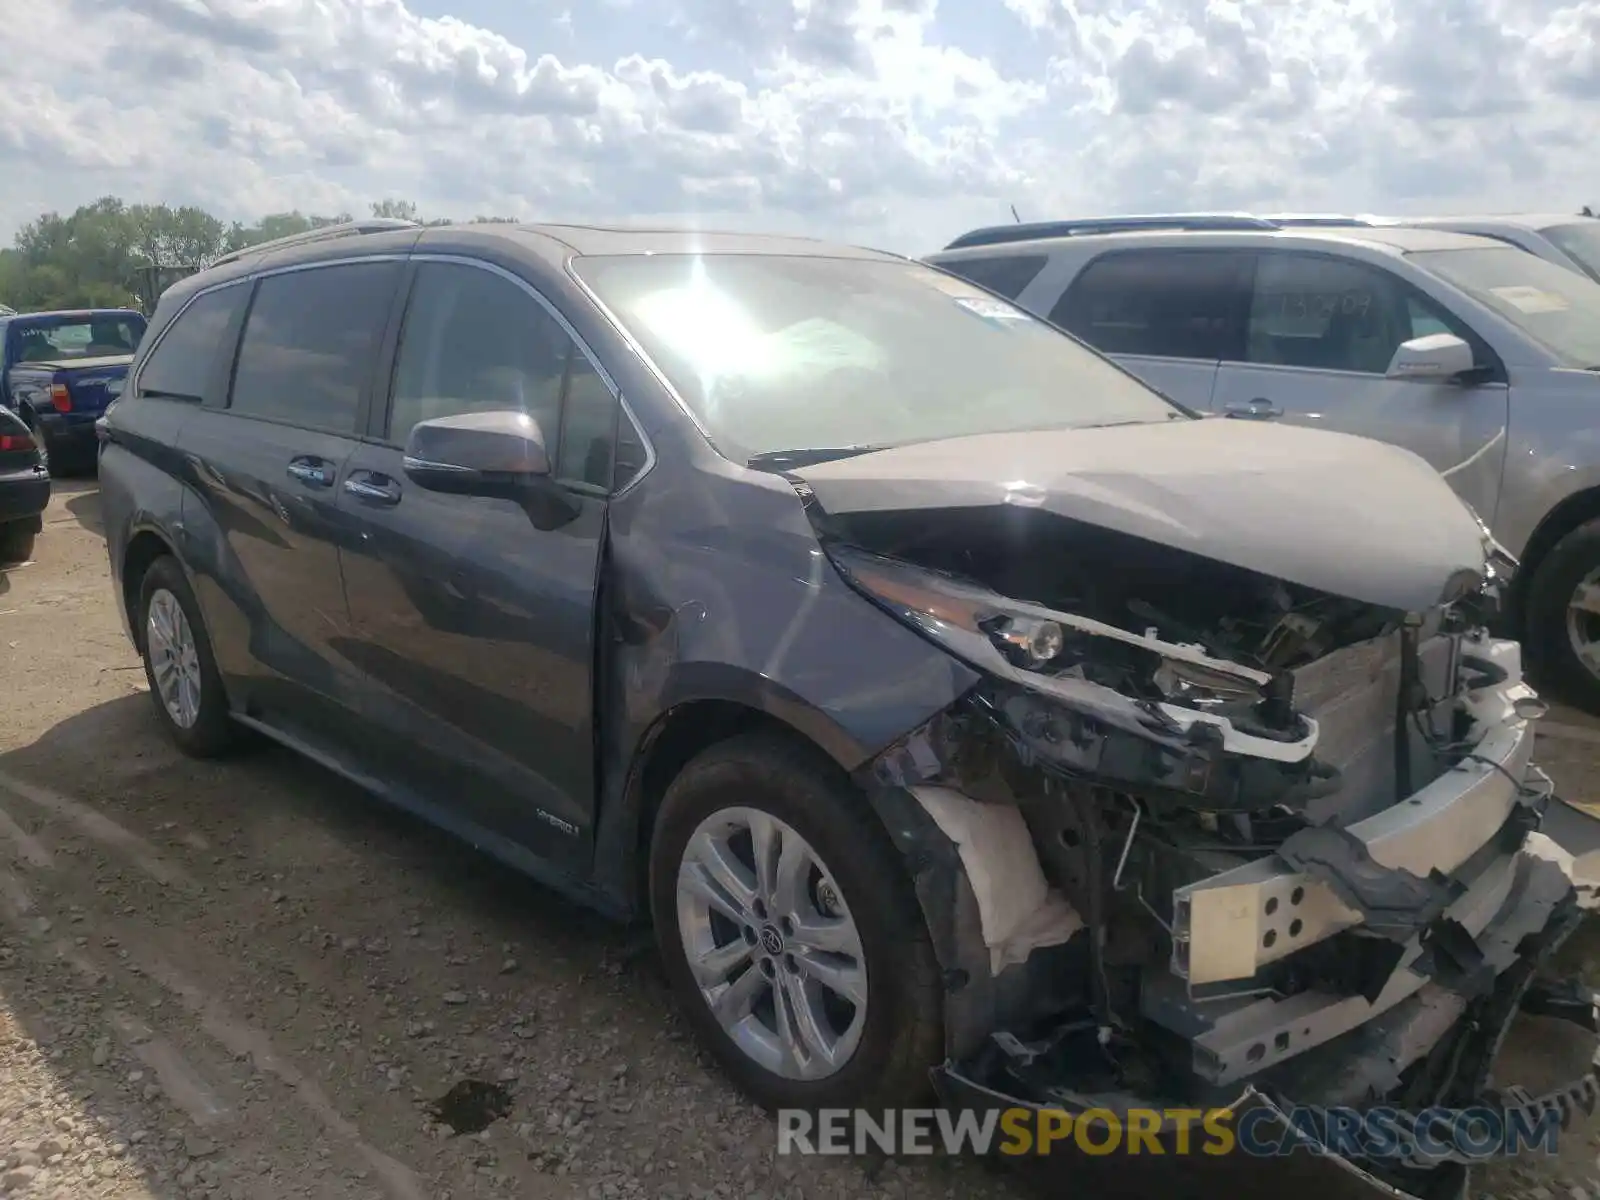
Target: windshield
(1580,241)
(55,339)
(776,353)
(1556,307)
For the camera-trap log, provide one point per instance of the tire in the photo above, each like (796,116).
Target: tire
(1547,633)
(210,731)
(16,542)
(900,1034)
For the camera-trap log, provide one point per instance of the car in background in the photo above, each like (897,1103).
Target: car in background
(1481,358)
(883,644)
(24,489)
(7,311)
(60,370)
(1566,240)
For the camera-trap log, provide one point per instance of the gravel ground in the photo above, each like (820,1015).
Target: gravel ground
(250,980)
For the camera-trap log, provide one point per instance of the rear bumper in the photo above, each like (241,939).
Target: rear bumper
(69,433)
(23,496)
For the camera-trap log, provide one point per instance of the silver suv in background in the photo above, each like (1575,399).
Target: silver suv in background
(1481,358)
(1566,240)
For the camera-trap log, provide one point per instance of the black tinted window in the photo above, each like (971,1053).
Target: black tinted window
(309,344)
(1168,304)
(181,364)
(1007,275)
(473,341)
(1321,313)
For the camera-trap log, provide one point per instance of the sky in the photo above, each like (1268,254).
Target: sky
(893,123)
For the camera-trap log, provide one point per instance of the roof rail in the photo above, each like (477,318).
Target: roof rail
(322,233)
(995,235)
(1315,220)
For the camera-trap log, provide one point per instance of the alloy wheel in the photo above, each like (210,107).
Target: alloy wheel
(174,658)
(771,944)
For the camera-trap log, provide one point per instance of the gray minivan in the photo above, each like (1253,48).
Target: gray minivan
(962,713)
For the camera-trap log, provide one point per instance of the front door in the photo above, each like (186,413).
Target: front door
(265,472)
(1321,333)
(472,627)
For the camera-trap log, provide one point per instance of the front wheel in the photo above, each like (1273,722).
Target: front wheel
(1563,616)
(789,930)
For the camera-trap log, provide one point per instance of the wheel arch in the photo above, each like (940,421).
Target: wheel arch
(144,547)
(675,738)
(1575,510)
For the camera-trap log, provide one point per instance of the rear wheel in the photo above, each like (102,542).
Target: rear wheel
(789,930)
(1563,616)
(178,663)
(16,542)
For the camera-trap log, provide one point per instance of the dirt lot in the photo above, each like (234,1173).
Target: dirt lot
(251,980)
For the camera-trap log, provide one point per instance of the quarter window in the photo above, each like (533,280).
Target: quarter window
(1005,275)
(1161,304)
(310,343)
(473,341)
(181,365)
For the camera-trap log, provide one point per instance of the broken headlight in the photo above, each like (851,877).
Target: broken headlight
(1002,635)
(970,621)
(1195,686)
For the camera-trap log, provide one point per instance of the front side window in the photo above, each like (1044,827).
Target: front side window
(777,352)
(1558,308)
(180,366)
(1005,275)
(1159,304)
(1322,313)
(64,338)
(310,342)
(473,341)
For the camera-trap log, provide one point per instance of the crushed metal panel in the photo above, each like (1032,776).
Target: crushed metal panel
(1438,828)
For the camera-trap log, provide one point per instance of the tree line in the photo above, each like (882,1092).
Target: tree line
(111,254)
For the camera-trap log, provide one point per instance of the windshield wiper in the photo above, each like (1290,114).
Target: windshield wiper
(809,456)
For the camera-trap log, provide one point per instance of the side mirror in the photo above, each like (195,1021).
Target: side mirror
(499,453)
(1436,358)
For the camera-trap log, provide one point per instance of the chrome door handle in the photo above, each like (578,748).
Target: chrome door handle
(374,492)
(1259,409)
(312,472)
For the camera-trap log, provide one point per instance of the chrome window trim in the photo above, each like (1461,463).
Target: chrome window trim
(578,340)
(136,380)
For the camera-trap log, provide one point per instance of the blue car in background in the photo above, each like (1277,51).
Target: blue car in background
(60,370)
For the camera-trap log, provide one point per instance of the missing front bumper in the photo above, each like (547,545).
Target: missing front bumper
(1284,1113)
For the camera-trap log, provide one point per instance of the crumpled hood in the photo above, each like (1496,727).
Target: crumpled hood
(1342,514)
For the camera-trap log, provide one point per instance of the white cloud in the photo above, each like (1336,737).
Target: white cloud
(897,122)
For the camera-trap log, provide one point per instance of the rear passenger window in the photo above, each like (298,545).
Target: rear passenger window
(473,341)
(309,344)
(1163,304)
(181,365)
(1007,274)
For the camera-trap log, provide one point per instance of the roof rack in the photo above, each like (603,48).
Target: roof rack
(995,235)
(1313,220)
(322,233)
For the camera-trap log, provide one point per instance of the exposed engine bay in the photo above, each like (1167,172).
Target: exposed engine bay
(1220,831)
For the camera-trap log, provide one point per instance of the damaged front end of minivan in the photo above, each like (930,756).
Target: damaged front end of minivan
(1205,838)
